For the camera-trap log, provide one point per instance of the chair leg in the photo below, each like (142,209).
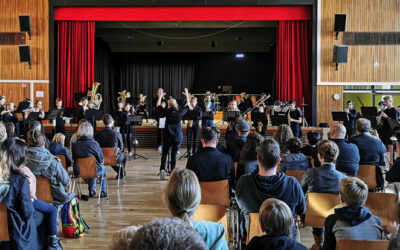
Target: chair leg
(80,188)
(101,184)
(123,173)
(298,238)
(119,173)
(108,195)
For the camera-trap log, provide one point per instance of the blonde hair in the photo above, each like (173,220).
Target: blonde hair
(173,103)
(353,191)
(275,217)
(4,167)
(3,132)
(183,193)
(388,98)
(85,129)
(59,138)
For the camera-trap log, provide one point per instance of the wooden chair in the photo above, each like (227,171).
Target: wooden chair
(87,169)
(212,213)
(63,161)
(43,190)
(254,228)
(215,193)
(235,164)
(320,206)
(362,244)
(384,206)
(4,234)
(295,173)
(110,159)
(367,173)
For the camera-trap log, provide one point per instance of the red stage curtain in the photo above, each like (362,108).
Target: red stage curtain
(75,59)
(293,61)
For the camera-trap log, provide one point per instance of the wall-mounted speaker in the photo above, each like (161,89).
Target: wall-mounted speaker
(340,23)
(25,54)
(25,24)
(340,54)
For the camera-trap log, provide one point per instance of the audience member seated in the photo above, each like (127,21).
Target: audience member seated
(10,128)
(393,229)
(234,144)
(43,164)
(209,164)
(220,146)
(353,221)
(295,160)
(371,149)
(108,138)
(123,237)
(16,150)
(74,137)
(37,125)
(3,132)
(324,179)
(182,196)
(56,147)
(349,157)
(249,163)
(86,146)
(252,190)
(167,234)
(310,149)
(282,135)
(393,175)
(277,222)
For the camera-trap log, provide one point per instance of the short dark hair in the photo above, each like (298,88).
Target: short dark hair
(10,128)
(328,150)
(252,145)
(269,154)
(350,102)
(313,137)
(15,150)
(107,119)
(167,234)
(209,135)
(363,125)
(292,102)
(294,145)
(35,138)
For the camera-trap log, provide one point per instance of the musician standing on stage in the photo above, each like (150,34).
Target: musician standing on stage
(173,135)
(389,113)
(127,128)
(128,98)
(9,116)
(141,107)
(39,108)
(193,130)
(264,124)
(245,103)
(352,115)
(294,118)
(82,109)
(157,114)
(208,105)
(118,117)
(60,124)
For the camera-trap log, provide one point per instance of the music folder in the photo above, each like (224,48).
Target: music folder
(207,115)
(22,106)
(135,120)
(339,116)
(259,117)
(53,114)
(191,115)
(33,116)
(230,115)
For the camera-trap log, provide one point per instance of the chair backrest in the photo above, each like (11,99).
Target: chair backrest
(235,164)
(110,158)
(63,161)
(4,234)
(384,206)
(215,193)
(278,168)
(87,167)
(320,206)
(367,173)
(254,228)
(311,160)
(43,190)
(362,244)
(212,213)
(295,173)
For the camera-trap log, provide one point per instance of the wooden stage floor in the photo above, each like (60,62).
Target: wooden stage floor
(136,202)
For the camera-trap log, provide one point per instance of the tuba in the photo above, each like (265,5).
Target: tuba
(122,96)
(96,98)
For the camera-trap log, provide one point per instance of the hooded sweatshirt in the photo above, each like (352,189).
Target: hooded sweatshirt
(295,161)
(267,242)
(351,223)
(43,164)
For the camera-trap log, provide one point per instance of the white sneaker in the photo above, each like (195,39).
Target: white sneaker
(159,149)
(130,154)
(162,175)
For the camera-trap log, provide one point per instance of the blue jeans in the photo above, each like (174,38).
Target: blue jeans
(92,181)
(50,211)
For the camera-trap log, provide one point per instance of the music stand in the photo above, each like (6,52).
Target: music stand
(370,113)
(33,116)
(190,115)
(259,117)
(93,115)
(135,120)
(339,116)
(207,115)
(22,106)
(53,114)
(230,116)
(279,119)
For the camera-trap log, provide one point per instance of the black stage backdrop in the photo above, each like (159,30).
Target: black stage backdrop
(102,73)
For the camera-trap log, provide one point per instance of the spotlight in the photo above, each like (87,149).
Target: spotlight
(160,43)
(213,44)
(239,55)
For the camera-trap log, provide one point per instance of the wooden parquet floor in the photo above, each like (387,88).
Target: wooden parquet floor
(136,202)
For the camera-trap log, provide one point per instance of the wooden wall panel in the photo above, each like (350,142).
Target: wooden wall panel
(42,87)
(326,103)
(18,91)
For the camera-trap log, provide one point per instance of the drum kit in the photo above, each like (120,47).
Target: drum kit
(280,107)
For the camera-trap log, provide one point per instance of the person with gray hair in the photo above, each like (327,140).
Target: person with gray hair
(87,146)
(349,157)
(371,150)
(3,132)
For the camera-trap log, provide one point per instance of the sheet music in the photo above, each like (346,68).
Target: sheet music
(161,123)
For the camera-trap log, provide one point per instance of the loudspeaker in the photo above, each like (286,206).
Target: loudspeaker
(25,24)
(340,54)
(340,22)
(25,54)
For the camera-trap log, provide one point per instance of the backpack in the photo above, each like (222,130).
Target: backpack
(73,225)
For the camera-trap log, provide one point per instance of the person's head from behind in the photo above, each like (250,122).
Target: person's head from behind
(282,135)
(35,138)
(268,154)
(252,146)
(10,128)
(275,217)
(182,193)
(85,129)
(3,132)
(209,137)
(167,234)
(362,126)
(59,138)
(337,131)
(313,137)
(108,120)
(328,151)
(172,103)
(35,125)
(12,153)
(242,127)
(353,192)
(294,145)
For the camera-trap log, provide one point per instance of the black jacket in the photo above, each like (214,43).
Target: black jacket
(274,243)
(108,138)
(87,147)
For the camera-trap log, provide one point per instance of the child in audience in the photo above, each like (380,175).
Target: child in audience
(276,221)
(353,221)
(295,160)
(310,149)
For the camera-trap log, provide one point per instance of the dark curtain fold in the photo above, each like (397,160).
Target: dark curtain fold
(293,62)
(145,73)
(102,72)
(75,59)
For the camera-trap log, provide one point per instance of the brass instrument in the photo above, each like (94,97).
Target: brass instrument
(96,98)
(122,96)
